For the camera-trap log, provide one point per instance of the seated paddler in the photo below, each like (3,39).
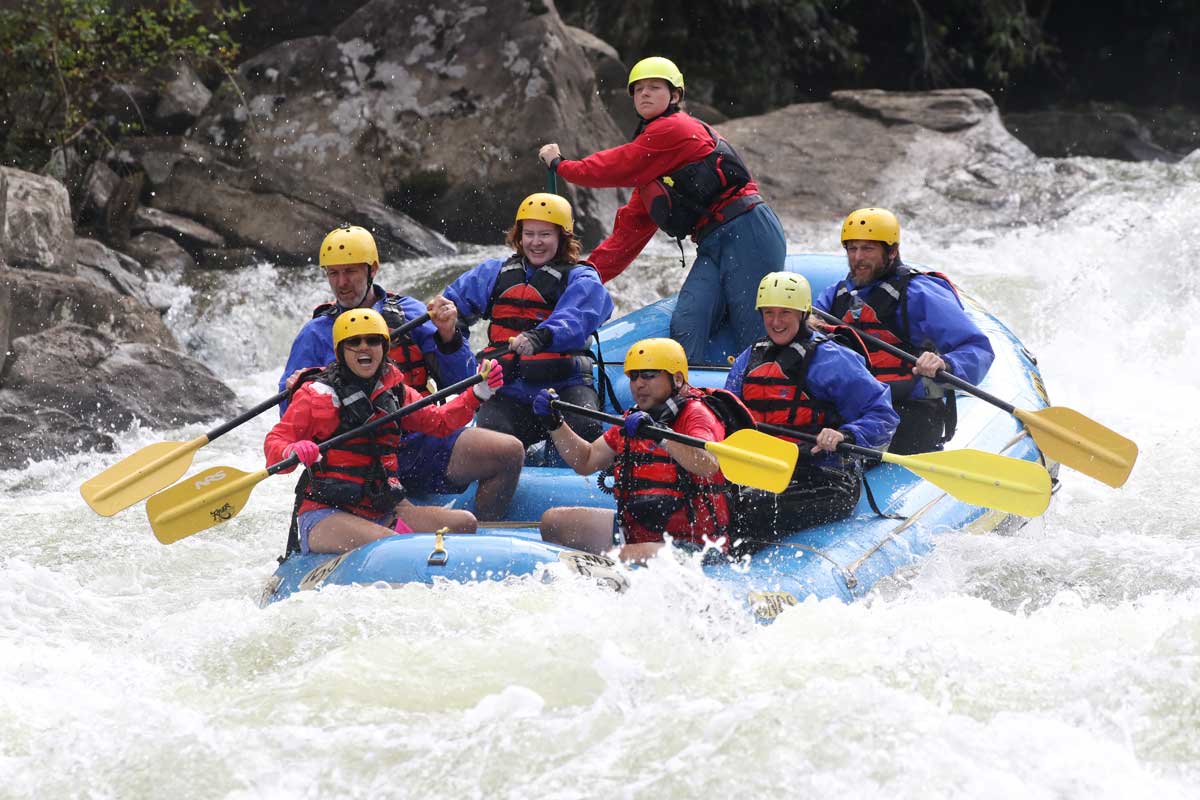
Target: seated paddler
(543,305)
(353,494)
(799,379)
(434,350)
(660,487)
(919,312)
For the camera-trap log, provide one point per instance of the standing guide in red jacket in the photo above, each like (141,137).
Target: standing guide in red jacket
(688,181)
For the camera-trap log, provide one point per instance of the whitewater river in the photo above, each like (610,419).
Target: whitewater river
(1059,662)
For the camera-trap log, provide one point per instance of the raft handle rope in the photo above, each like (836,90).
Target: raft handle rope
(606,385)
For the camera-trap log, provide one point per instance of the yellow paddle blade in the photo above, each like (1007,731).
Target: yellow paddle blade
(984,479)
(200,502)
(137,476)
(1081,443)
(752,458)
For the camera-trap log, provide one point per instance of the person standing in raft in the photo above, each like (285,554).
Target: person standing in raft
(796,378)
(688,181)
(433,350)
(660,486)
(543,304)
(354,494)
(919,312)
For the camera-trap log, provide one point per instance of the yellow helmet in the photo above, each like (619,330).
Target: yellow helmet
(548,208)
(656,67)
(657,354)
(348,244)
(875,224)
(784,290)
(359,322)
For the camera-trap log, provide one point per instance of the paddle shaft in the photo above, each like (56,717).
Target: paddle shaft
(940,375)
(667,433)
(551,181)
(846,447)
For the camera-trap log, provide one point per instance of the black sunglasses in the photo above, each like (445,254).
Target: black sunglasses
(644,374)
(358,341)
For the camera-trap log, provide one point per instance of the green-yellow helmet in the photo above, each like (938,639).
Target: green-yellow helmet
(547,207)
(656,67)
(657,354)
(784,290)
(348,244)
(873,224)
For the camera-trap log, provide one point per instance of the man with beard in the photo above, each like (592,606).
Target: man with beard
(919,312)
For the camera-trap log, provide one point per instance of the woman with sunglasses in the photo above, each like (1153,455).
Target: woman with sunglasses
(660,486)
(353,495)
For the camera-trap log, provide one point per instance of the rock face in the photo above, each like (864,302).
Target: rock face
(1098,133)
(82,351)
(925,155)
(438,111)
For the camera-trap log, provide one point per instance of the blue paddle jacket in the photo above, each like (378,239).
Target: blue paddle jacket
(936,322)
(584,306)
(839,376)
(313,346)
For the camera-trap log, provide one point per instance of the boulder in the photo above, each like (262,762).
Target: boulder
(158,252)
(926,155)
(156,156)
(189,233)
(1098,133)
(286,214)
(39,300)
(74,380)
(36,228)
(612,78)
(107,269)
(182,98)
(437,110)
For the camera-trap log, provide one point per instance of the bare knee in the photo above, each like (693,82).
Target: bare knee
(461,521)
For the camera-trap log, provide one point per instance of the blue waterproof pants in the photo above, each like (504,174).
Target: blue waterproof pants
(730,263)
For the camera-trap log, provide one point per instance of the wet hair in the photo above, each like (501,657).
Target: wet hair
(569,248)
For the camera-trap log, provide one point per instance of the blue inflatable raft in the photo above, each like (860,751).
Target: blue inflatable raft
(844,559)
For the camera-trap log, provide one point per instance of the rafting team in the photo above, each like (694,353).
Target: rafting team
(356,360)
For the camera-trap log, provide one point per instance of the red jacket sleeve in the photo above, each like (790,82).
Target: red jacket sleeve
(696,420)
(438,420)
(632,231)
(663,146)
(309,415)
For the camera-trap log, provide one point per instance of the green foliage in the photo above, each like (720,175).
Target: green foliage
(58,57)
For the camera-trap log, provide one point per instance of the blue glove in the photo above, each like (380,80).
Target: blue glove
(639,423)
(542,407)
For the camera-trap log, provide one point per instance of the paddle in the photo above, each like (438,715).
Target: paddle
(220,493)
(747,456)
(157,466)
(973,476)
(1063,434)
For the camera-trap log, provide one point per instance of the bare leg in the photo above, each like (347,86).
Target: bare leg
(341,532)
(588,529)
(434,518)
(495,460)
(641,551)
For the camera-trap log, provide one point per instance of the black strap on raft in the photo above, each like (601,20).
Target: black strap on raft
(606,387)
(873,504)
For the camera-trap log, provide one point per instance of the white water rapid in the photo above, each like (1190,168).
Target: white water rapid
(1060,662)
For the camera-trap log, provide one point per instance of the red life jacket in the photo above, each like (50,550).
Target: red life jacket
(883,313)
(775,383)
(360,475)
(655,494)
(699,197)
(517,305)
(403,351)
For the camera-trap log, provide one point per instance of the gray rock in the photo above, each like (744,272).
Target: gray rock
(612,78)
(108,269)
(438,111)
(5,322)
(99,183)
(182,99)
(189,233)
(1097,133)
(76,378)
(156,156)
(158,252)
(285,214)
(39,300)
(945,110)
(36,229)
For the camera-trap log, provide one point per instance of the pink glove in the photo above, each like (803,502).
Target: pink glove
(489,369)
(401,526)
(306,450)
